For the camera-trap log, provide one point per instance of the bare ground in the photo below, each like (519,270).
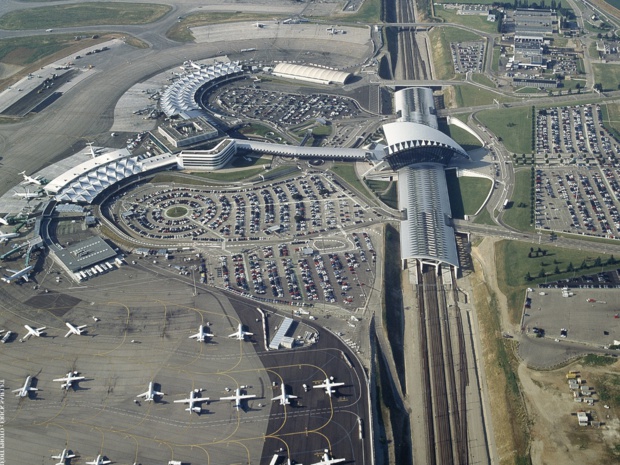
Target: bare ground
(555,436)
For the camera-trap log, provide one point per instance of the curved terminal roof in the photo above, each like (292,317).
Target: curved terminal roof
(179,98)
(311,73)
(409,143)
(426,233)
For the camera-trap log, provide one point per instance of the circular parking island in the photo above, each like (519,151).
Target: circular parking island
(176,212)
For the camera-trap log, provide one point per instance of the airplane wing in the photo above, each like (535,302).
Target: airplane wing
(247,396)
(280,397)
(194,336)
(221,398)
(235,334)
(144,394)
(291,396)
(157,393)
(69,333)
(184,401)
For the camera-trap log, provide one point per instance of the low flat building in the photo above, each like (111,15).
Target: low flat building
(83,255)
(188,132)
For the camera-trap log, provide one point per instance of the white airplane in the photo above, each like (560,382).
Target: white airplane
(240,334)
(77,330)
(201,335)
(259,25)
(149,396)
(23,391)
(325,460)
(38,332)
(99,461)
(31,180)
(69,379)
(23,273)
(27,194)
(63,457)
(93,152)
(4,220)
(4,237)
(238,397)
(328,384)
(193,400)
(284,397)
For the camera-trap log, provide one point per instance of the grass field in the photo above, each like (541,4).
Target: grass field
(441,37)
(347,172)
(513,264)
(387,191)
(231,176)
(466,194)
(176,212)
(497,52)
(467,95)
(484,217)
(607,75)
(26,50)
(519,215)
(513,125)
(479,23)
(482,79)
(460,136)
(611,117)
(244,162)
(83,14)
(369,12)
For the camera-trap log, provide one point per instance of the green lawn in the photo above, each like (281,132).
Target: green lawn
(475,2)
(482,79)
(497,52)
(479,23)
(519,214)
(243,161)
(369,13)
(460,136)
(513,264)
(347,172)
(26,50)
(467,95)
(387,191)
(83,14)
(611,117)
(606,74)
(231,176)
(466,194)
(513,125)
(441,37)
(484,217)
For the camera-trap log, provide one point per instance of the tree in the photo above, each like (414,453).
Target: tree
(528,277)
(583,266)
(611,260)
(541,273)
(598,87)
(557,270)
(598,261)
(570,267)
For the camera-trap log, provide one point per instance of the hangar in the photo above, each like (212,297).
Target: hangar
(313,74)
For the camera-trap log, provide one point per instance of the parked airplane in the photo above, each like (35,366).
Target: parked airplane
(259,25)
(328,384)
(193,400)
(63,457)
(240,334)
(4,237)
(31,180)
(69,379)
(325,460)
(28,194)
(38,332)
(23,273)
(5,220)
(201,335)
(93,152)
(99,461)
(77,330)
(149,396)
(284,397)
(238,398)
(23,391)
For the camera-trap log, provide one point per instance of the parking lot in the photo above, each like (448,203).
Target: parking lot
(284,108)
(467,56)
(587,316)
(286,266)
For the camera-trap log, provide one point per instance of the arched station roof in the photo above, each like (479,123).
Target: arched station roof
(311,73)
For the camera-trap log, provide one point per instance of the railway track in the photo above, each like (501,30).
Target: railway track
(410,64)
(444,375)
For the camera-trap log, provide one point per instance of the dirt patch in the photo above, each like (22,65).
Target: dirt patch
(7,70)
(556,436)
(19,56)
